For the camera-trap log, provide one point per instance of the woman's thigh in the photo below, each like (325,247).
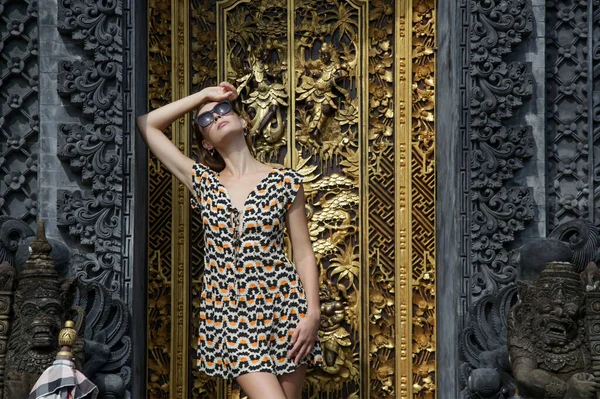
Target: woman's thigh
(261,385)
(293,382)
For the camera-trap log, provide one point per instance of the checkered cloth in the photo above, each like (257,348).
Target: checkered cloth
(63,381)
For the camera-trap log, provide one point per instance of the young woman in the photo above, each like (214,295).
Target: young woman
(258,321)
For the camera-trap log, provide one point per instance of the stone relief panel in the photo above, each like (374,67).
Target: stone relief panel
(572,116)
(595,111)
(93,148)
(494,89)
(19,108)
(96,151)
(498,148)
(572,49)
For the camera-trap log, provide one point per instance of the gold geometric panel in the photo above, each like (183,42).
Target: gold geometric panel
(342,91)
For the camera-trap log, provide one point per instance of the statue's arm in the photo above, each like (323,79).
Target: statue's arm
(537,382)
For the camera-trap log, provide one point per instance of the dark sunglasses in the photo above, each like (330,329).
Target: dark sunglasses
(206,118)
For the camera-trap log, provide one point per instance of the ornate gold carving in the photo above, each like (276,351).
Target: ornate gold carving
(385,207)
(423,199)
(328,44)
(180,243)
(366,149)
(159,211)
(256,58)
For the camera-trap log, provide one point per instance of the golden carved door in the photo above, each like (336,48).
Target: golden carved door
(342,91)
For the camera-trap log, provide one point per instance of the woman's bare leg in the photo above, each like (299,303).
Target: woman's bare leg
(293,382)
(261,385)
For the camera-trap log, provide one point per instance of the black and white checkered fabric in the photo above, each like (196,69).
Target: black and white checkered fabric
(63,381)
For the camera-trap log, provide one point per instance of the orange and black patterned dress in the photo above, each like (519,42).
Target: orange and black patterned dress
(252,296)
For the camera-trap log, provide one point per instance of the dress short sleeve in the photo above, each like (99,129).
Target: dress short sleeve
(199,177)
(292,181)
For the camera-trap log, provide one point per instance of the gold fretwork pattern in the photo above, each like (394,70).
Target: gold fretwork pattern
(160,205)
(423,199)
(381,269)
(342,91)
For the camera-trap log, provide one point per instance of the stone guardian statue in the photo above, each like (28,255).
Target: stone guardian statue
(547,338)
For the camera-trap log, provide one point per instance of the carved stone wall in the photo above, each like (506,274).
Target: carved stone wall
(87,140)
(573,110)
(19,110)
(93,146)
(494,49)
(525,157)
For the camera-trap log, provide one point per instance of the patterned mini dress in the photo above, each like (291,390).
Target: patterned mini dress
(252,296)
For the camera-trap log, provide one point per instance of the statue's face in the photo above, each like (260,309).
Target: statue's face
(558,303)
(42,318)
(325,56)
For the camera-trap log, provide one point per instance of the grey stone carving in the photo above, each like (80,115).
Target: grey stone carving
(548,335)
(19,108)
(7,282)
(582,238)
(41,304)
(486,372)
(106,320)
(94,148)
(97,25)
(497,209)
(573,110)
(12,234)
(106,342)
(498,150)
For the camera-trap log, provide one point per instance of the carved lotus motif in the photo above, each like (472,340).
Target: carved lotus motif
(14,180)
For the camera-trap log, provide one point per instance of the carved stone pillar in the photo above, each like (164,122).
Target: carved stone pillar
(7,279)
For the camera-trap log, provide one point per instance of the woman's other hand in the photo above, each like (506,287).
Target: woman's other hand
(304,337)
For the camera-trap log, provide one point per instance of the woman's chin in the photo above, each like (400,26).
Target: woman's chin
(227,134)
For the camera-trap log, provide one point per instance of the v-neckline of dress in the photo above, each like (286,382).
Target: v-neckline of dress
(248,196)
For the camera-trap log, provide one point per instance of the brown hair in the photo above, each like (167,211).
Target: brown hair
(215,162)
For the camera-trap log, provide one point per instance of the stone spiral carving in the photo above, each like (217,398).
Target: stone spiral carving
(95,150)
(497,209)
(12,233)
(484,346)
(583,239)
(105,333)
(497,150)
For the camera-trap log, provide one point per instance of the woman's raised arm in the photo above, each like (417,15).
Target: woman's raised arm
(152,125)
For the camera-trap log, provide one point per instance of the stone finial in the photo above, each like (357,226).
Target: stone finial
(40,247)
(40,259)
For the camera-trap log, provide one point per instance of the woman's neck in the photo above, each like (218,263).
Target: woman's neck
(238,160)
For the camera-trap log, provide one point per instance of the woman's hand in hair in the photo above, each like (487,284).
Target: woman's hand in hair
(225,91)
